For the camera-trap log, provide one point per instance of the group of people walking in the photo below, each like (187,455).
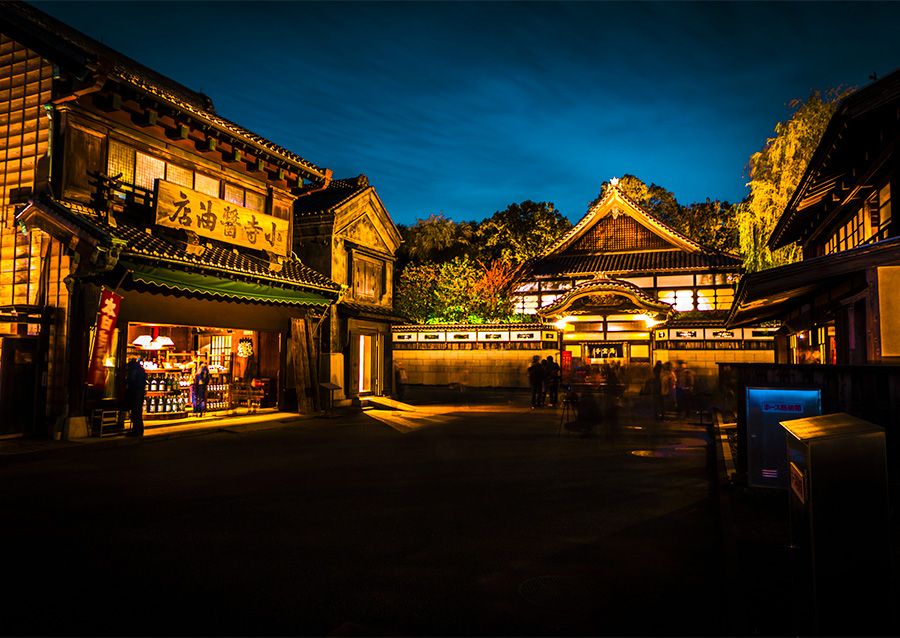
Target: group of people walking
(672,388)
(543,377)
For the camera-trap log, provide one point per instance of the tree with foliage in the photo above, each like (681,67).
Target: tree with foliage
(711,223)
(414,295)
(435,239)
(654,199)
(493,291)
(775,173)
(457,291)
(521,231)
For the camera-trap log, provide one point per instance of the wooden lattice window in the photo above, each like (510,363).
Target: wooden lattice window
(615,234)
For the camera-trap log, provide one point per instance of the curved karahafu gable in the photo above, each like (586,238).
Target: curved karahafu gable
(605,293)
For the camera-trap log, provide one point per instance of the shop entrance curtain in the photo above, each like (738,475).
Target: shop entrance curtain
(306,368)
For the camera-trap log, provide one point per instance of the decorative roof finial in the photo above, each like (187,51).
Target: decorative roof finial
(614,181)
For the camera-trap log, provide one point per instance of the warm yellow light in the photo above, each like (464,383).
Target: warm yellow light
(109,362)
(561,324)
(650,321)
(163,342)
(142,341)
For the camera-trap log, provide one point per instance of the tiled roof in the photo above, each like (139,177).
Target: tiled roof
(708,318)
(371,311)
(493,327)
(630,263)
(38,28)
(141,244)
(323,201)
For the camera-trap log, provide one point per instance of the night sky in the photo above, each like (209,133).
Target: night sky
(464,108)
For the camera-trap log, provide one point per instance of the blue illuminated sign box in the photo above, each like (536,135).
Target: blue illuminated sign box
(767,463)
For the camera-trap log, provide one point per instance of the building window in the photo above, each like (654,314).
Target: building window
(120,161)
(255,201)
(367,278)
(682,300)
(234,194)
(206,185)
(715,298)
(181,176)
(147,169)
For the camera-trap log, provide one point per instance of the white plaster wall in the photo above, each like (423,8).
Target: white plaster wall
(474,368)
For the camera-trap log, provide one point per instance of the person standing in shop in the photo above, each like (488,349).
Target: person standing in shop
(201,381)
(135,388)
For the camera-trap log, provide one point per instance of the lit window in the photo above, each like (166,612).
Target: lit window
(706,299)
(255,201)
(234,194)
(120,160)
(684,300)
(180,176)
(147,170)
(206,185)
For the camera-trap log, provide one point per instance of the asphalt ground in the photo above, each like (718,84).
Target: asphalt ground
(472,515)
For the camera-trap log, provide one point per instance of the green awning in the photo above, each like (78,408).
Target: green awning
(241,290)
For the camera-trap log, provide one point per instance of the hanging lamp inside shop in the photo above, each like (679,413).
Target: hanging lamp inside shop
(162,342)
(143,341)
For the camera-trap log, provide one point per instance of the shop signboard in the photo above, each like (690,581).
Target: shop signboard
(180,207)
(767,461)
(493,335)
(431,337)
(107,315)
(605,350)
(405,336)
(525,335)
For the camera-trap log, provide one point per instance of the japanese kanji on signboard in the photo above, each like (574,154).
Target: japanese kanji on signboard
(180,207)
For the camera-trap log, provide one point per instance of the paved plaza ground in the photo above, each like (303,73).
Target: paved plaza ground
(472,516)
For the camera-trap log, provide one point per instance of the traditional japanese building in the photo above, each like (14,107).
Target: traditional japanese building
(622,286)
(136,221)
(841,303)
(346,233)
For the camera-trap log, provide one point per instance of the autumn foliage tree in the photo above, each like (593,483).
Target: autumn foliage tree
(463,271)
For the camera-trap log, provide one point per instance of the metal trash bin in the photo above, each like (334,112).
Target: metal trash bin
(839,525)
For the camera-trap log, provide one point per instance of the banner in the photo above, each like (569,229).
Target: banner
(107,314)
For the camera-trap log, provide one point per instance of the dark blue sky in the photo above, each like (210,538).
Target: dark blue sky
(464,108)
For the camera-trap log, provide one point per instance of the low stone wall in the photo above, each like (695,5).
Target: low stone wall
(704,363)
(473,368)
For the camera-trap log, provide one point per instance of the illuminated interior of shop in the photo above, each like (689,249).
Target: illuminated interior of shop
(174,358)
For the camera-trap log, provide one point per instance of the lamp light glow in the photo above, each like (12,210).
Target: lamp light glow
(143,341)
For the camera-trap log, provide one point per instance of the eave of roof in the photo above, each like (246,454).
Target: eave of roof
(767,294)
(848,108)
(631,263)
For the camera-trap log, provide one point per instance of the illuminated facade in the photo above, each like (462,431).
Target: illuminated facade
(622,286)
(346,233)
(840,304)
(119,183)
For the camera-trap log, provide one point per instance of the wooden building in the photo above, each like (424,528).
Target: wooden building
(346,233)
(122,186)
(841,303)
(622,286)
